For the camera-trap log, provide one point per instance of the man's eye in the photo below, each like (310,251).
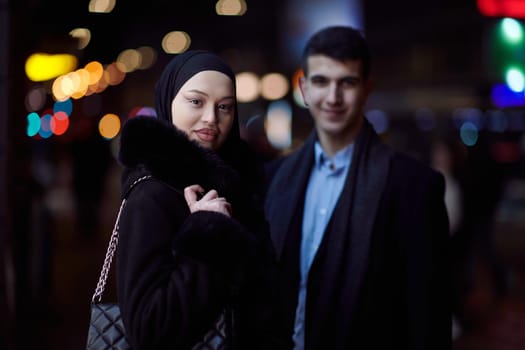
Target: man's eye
(319,81)
(349,82)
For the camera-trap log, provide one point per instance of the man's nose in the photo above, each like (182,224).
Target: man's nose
(334,94)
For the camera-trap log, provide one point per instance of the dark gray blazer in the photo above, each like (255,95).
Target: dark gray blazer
(380,279)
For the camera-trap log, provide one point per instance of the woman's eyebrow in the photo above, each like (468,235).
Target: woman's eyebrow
(205,94)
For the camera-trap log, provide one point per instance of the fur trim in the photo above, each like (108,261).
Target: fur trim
(171,157)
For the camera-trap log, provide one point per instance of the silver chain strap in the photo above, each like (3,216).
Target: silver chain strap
(112,248)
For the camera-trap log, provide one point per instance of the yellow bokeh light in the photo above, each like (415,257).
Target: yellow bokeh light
(101,6)
(231,7)
(176,42)
(109,126)
(42,67)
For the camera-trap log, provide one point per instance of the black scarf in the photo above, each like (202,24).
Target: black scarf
(344,250)
(177,72)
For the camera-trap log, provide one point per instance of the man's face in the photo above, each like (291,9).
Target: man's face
(336,93)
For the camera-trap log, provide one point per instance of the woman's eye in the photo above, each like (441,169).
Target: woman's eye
(195,102)
(225,108)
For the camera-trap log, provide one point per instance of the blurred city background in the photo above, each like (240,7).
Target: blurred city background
(449,90)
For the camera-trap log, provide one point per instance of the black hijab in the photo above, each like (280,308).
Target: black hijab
(181,69)
(234,151)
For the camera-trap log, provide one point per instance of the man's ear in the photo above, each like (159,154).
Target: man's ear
(303,87)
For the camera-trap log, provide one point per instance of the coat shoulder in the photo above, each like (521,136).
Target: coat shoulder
(414,173)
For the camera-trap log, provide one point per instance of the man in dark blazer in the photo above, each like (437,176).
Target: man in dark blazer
(360,230)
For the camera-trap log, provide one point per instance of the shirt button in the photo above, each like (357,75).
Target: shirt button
(322,211)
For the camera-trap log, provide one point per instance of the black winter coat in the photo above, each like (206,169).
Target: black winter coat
(176,270)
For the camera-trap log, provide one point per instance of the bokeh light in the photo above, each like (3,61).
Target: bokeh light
(82,77)
(59,123)
(148,57)
(469,133)
(142,111)
(101,6)
(65,106)
(297,94)
(515,79)
(129,60)
(95,70)
(248,86)
(512,30)
(83,35)
(109,126)
(33,124)
(35,99)
(231,7)
(502,96)
(113,74)
(42,67)
(45,126)
(274,86)
(278,124)
(176,42)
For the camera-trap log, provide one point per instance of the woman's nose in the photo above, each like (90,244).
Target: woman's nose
(209,115)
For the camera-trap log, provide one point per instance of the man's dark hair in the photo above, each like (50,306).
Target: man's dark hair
(340,43)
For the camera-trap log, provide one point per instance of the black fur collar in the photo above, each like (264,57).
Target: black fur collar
(170,156)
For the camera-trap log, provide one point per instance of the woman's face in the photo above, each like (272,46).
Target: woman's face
(204,108)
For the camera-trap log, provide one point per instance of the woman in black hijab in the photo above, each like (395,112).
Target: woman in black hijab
(182,258)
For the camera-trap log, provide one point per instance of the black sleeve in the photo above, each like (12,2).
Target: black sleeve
(166,299)
(218,241)
(428,279)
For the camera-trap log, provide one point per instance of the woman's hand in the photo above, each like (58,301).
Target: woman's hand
(210,201)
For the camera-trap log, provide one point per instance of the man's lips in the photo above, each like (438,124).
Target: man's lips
(332,112)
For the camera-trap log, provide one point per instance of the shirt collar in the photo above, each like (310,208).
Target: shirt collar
(340,160)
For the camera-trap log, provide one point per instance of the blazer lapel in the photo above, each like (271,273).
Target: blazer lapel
(370,183)
(286,193)
(348,235)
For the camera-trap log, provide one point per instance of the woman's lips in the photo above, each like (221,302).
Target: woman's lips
(206,134)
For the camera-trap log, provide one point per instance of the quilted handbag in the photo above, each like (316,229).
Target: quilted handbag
(106,329)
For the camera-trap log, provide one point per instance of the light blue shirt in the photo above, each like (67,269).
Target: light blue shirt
(324,188)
